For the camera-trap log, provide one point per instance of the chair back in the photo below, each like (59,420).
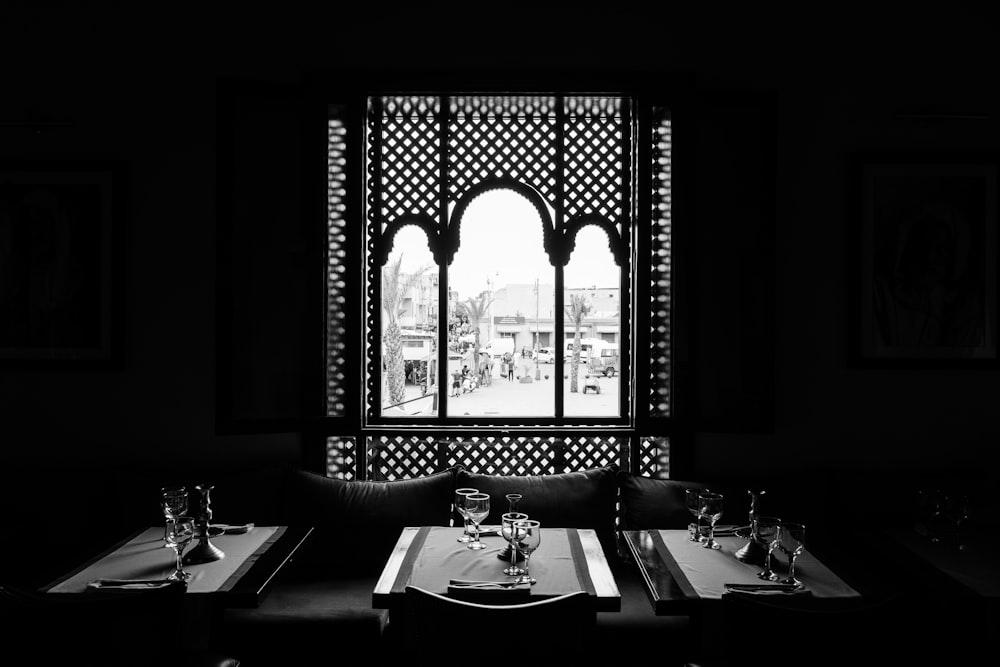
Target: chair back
(551,627)
(772,629)
(93,628)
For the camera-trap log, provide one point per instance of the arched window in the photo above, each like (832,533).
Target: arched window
(505,253)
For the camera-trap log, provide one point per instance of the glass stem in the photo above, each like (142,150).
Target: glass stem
(711,532)
(465,524)
(527,559)
(791,567)
(180,564)
(475,527)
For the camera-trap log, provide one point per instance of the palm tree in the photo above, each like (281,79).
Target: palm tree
(578,309)
(476,309)
(395,286)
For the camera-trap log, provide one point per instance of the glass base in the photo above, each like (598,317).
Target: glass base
(475,545)
(179,575)
(513,571)
(711,544)
(464,538)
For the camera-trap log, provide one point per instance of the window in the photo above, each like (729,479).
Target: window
(495,226)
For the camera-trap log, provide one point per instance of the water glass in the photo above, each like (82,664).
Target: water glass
(477,508)
(766,535)
(691,497)
(791,541)
(507,522)
(710,509)
(528,535)
(460,496)
(180,532)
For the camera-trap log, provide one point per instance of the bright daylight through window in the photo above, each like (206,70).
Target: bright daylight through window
(501,199)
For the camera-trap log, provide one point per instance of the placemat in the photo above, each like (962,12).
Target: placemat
(703,573)
(146,557)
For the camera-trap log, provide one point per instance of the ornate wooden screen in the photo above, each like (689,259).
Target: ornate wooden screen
(423,155)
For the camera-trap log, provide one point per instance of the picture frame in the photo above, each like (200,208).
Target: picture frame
(58,256)
(924,247)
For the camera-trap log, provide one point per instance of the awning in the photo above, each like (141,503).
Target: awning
(608,328)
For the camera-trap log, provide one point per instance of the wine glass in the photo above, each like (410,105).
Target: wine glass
(180,532)
(460,495)
(710,509)
(691,496)
(507,522)
(766,534)
(174,503)
(528,535)
(477,507)
(791,541)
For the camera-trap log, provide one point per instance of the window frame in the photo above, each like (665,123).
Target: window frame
(559,241)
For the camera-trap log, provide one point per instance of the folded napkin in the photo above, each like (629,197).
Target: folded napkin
(486,583)
(723,531)
(487,531)
(225,528)
(767,589)
(491,594)
(131,584)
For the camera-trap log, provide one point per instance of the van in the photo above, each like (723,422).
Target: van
(605,359)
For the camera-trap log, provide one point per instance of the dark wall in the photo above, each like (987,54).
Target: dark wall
(775,383)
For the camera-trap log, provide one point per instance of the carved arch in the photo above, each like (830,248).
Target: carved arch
(422,220)
(535,198)
(618,247)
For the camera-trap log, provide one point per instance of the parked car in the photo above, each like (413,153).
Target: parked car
(546,355)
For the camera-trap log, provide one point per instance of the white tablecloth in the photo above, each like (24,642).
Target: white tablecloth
(709,570)
(146,557)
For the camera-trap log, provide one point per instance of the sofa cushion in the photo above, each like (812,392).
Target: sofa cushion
(649,503)
(584,499)
(358,523)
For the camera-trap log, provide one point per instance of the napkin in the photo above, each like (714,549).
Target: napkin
(228,529)
(131,584)
(767,589)
(486,531)
(491,593)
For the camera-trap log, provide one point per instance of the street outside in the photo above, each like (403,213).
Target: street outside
(512,398)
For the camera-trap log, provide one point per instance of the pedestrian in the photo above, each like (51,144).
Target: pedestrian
(510,370)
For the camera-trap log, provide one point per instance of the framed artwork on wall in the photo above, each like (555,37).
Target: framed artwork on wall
(57,263)
(924,260)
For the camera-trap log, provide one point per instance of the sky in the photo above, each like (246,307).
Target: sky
(502,240)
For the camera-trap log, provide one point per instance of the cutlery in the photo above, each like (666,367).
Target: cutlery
(465,583)
(130,583)
(762,587)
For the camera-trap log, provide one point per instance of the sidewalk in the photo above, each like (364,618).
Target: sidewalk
(506,398)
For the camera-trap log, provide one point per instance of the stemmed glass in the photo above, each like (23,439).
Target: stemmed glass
(180,532)
(477,507)
(528,535)
(791,541)
(174,503)
(691,496)
(507,522)
(711,510)
(460,495)
(766,534)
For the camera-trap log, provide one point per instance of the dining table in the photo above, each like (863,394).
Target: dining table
(252,562)
(431,557)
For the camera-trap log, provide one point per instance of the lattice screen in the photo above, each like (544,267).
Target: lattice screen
(335,278)
(410,148)
(660,333)
(654,457)
(513,136)
(395,457)
(341,458)
(593,154)
(406,456)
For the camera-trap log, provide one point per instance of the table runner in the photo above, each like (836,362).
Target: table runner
(145,557)
(703,573)
(435,557)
